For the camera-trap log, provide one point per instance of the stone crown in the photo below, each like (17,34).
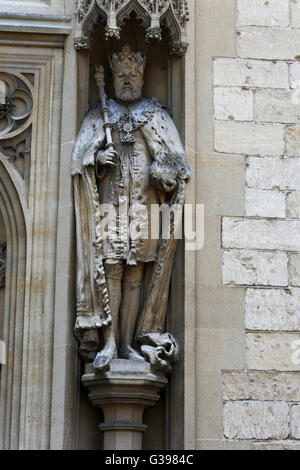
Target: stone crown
(126,59)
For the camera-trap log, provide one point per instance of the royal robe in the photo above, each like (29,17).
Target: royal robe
(148,145)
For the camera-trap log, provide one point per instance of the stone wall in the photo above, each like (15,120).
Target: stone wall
(240,119)
(257,112)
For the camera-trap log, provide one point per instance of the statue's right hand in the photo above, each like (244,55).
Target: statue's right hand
(108,157)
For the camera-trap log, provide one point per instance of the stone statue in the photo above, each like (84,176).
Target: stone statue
(123,280)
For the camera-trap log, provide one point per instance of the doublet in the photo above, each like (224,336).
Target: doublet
(128,187)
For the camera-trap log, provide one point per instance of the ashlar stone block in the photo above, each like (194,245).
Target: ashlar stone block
(293,205)
(294,270)
(272,309)
(263,13)
(234,104)
(273,351)
(251,73)
(273,173)
(246,267)
(261,386)
(260,203)
(261,234)
(256,420)
(249,138)
(295,422)
(268,43)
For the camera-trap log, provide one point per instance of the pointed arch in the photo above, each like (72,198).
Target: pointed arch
(13,213)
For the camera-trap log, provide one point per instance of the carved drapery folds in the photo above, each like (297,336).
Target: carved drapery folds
(2,263)
(15,121)
(155,15)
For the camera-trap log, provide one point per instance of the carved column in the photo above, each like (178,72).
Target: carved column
(123,393)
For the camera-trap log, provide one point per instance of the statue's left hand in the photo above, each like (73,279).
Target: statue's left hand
(167,183)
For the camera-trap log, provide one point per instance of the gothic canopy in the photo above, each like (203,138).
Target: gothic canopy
(154,15)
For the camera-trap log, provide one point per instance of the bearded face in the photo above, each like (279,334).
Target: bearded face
(128,83)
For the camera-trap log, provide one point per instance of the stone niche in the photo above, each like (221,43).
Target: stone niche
(164,80)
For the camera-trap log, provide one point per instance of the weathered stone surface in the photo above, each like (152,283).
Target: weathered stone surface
(273,351)
(222,444)
(272,309)
(106,391)
(251,73)
(295,422)
(272,173)
(260,203)
(220,349)
(233,104)
(263,13)
(221,307)
(262,386)
(262,234)
(223,178)
(295,75)
(293,140)
(249,138)
(245,267)
(276,106)
(295,9)
(293,205)
(294,270)
(209,406)
(212,41)
(276,445)
(268,43)
(256,420)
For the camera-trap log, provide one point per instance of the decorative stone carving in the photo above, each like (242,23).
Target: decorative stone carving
(2,263)
(123,393)
(6,107)
(16,104)
(127,160)
(18,150)
(154,15)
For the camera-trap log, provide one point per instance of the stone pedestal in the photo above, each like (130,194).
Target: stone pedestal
(123,392)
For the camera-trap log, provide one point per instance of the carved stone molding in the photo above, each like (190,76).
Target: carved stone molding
(154,15)
(2,263)
(123,392)
(31,215)
(16,104)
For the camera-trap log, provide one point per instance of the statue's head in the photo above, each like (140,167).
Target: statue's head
(128,73)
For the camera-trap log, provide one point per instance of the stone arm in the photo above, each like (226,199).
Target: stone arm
(170,165)
(90,139)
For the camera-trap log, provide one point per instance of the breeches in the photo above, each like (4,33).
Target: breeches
(118,270)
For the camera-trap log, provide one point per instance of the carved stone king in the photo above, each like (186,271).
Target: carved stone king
(127,160)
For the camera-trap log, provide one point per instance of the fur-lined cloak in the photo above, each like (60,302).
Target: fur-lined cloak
(167,154)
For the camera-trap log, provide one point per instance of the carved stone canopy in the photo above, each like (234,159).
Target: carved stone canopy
(154,15)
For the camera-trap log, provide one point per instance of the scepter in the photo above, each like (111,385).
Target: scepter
(99,77)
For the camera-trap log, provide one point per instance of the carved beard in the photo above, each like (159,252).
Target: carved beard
(128,94)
